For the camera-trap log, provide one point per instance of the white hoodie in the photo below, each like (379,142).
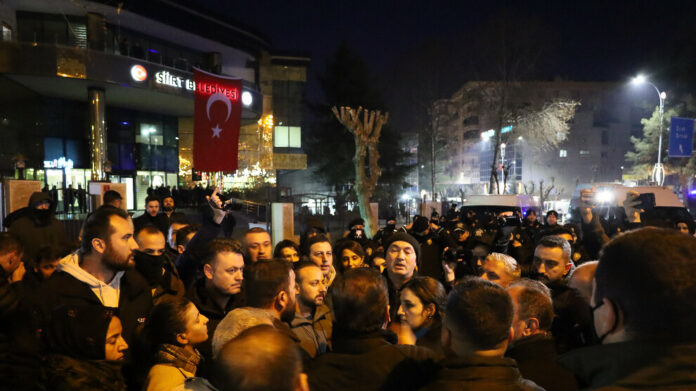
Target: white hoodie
(108,294)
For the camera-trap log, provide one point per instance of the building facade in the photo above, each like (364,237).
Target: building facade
(97,90)
(594,150)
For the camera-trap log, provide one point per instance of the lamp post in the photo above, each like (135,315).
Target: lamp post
(658,172)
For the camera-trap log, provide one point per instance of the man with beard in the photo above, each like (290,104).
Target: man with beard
(36,226)
(153,263)
(552,263)
(101,272)
(313,321)
(219,290)
(152,216)
(270,285)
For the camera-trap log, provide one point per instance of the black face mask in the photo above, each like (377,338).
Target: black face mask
(150,266)
(598,339)
(43,216)
(390,227)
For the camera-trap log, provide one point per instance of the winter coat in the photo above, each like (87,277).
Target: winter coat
(36,232)
(65,373)
(134,304)
(315,333)
(480,374)
(634,365)
(370,361)
(572,326)
(536,359)
(161,221)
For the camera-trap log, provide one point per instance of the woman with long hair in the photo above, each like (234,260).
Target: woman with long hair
(422,306)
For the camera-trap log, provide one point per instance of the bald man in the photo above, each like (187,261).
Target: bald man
(581,279)
(260,358)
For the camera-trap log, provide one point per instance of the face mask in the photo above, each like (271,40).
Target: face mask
(598,339)
(391,227)
(150,266)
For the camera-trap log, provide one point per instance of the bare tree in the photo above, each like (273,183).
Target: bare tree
(366,132)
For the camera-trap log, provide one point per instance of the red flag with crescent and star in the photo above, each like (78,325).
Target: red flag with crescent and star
(217,117)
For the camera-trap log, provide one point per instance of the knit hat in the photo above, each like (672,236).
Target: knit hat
(403,237)
(552,212)
(358,221)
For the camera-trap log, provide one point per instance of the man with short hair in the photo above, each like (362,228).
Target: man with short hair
(365,355)
(270,284)
(176,223)
(572,327)
(102,273)
(477,330)
(501,269)
(643,306)
(112,198)
(401,254)
(532,345)
(257,245)
(313,321)
(152,216)
(152,261)
(219,289)
(320,252)
(260,358)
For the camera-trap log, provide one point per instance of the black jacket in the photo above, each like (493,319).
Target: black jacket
(161,221)
(634,365)
(480,374)
(135,298)
(35,231)
(536,359)
(371,361)
(572,326)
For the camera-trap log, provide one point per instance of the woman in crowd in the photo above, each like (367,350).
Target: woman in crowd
(350,254)
(422,306)
(174,329)
(85,348)
(287,250)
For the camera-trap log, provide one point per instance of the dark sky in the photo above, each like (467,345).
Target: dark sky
(598,39)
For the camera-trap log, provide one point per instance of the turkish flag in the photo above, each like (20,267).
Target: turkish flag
(217,116)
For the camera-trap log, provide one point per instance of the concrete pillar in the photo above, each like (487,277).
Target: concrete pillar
(282,222)
(97,132)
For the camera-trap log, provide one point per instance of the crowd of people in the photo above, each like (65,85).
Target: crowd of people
(463,301)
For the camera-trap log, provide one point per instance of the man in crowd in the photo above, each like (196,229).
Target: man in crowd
(433,243)
(320,252)
(112,198)
(270,284)
(260,358)
(313,321)
(532,346)
(152,216)
(581,279)
(643,305)
(102,273)
(501,269)
(36,227)
(572,328)
(402,255)
(384,233)
(257,245)
(476,330)
(364,354)
(153,263)
(176,223)
(219,290)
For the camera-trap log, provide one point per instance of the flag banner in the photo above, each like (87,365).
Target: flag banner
(681,137)
(217,117)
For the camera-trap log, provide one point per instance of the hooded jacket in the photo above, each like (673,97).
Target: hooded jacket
(315,333)
(36,230)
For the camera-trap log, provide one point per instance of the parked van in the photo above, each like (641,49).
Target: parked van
(495,204)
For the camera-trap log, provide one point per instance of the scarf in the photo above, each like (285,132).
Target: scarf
(178,357)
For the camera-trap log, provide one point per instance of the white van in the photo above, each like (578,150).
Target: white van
(494,204)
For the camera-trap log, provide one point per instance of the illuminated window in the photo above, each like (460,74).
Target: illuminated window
(287,137)
(6,32)
(584,152)
(150,134)
(563,153)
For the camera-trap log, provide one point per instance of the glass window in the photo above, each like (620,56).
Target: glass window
(563,153)
(280,136)
(6,32)
(295,137)
(150,134)
(584,152)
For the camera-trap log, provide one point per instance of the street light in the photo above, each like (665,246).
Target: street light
(658,173)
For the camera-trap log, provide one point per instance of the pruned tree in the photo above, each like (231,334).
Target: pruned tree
(544,190)
(366,132)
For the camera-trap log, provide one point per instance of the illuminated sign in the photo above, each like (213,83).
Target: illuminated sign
(247,99)
(138,73)
(59,163)
(171,80)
